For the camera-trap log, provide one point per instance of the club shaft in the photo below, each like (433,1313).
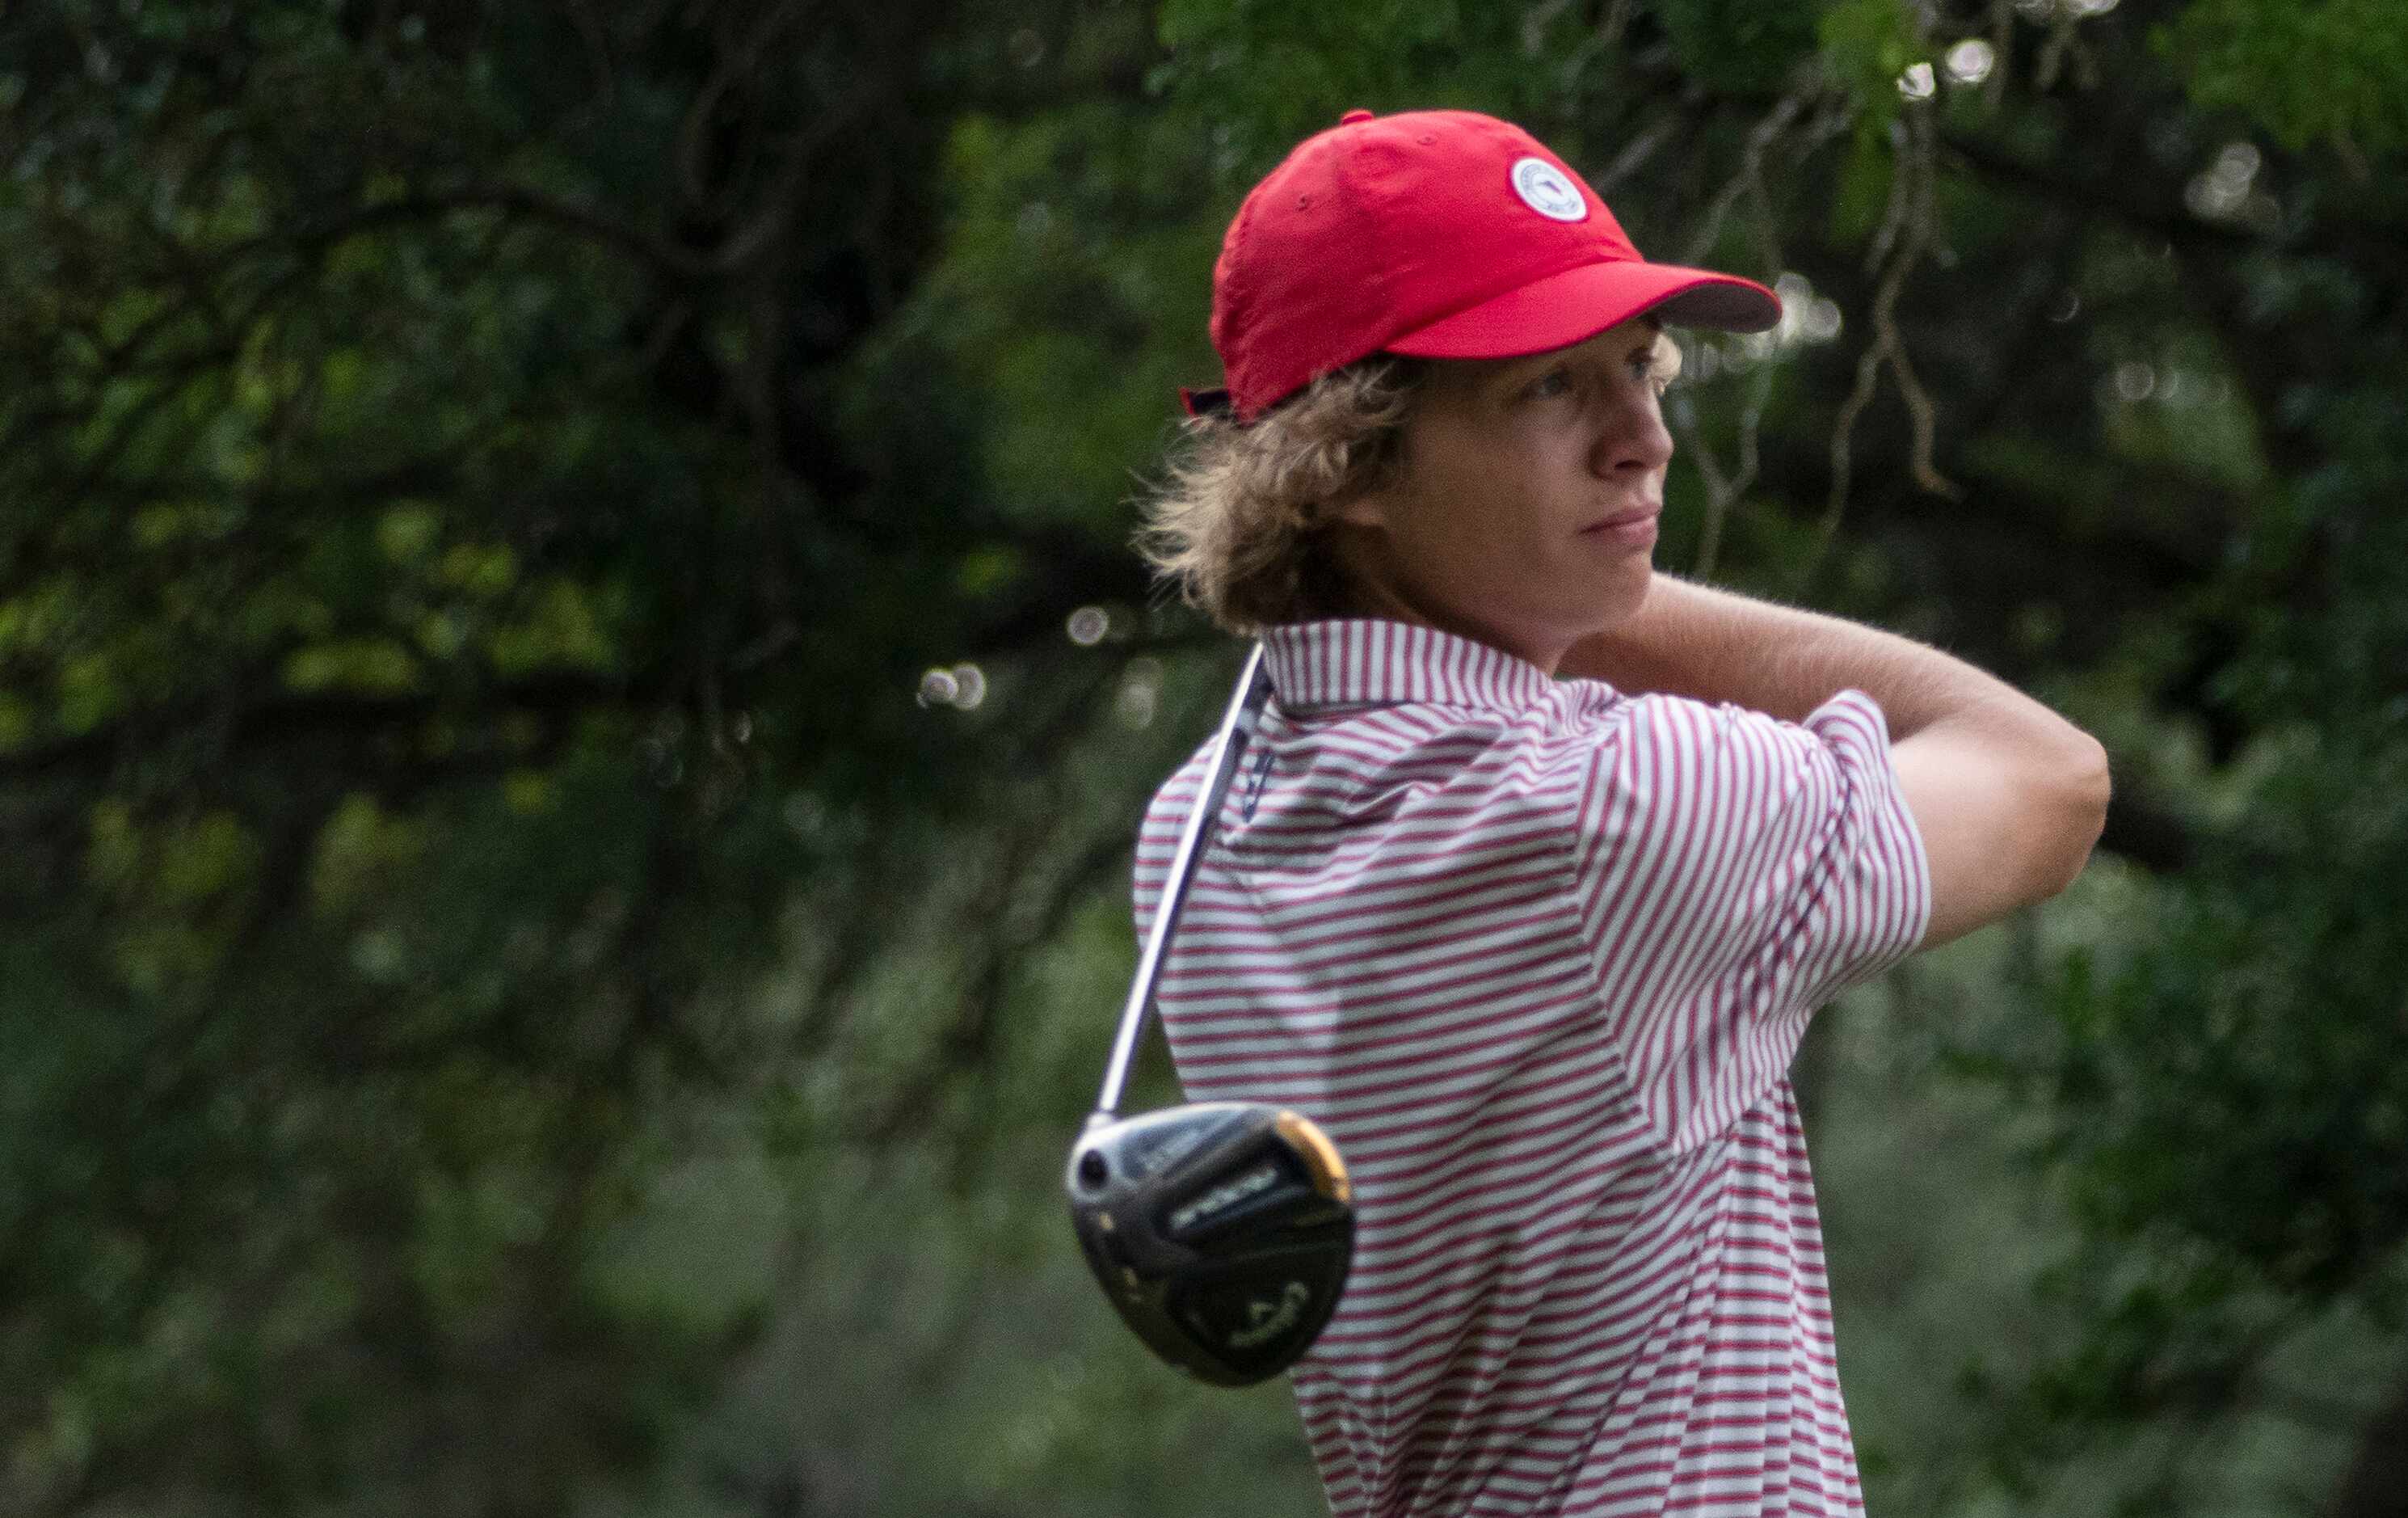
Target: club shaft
(1229,744)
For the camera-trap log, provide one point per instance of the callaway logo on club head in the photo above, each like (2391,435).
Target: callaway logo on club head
(1226,1195)
(1268,1320)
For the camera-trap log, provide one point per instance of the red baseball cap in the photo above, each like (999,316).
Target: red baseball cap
(1435,234)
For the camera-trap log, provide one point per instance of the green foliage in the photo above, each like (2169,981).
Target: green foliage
(1055,298)
(2322,71)
(1260,75)
(1867,44)
(1734,47)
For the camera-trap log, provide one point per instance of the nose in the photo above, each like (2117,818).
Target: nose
(1632,441)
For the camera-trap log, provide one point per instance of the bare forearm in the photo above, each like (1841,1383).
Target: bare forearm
(1690,639)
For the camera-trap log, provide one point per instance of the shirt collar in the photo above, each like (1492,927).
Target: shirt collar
(1377,661)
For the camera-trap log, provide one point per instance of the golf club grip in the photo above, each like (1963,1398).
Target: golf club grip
(1254,689)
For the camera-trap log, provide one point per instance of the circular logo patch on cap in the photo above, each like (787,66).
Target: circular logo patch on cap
(1544,189)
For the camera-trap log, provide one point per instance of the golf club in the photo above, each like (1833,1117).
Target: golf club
(1221,1231)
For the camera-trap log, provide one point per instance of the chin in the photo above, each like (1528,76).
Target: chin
(1629,594)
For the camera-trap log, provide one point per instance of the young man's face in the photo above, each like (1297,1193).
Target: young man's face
(1524,514)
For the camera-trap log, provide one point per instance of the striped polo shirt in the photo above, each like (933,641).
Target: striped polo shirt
(1536,954)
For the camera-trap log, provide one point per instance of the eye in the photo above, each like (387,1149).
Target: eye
(1658,364)
(1548,387)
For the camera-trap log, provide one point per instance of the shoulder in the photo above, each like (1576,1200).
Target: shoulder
(1427,779)
(1377,760)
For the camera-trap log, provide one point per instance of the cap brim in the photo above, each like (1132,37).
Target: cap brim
(1579,303)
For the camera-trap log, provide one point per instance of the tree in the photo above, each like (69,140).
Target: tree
(454,584)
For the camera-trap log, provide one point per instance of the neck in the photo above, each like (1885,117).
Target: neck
(1367,587)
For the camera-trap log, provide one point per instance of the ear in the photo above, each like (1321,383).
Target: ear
(1365,509)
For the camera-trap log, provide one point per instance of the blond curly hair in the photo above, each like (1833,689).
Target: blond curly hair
(1241,524)
(1239,527)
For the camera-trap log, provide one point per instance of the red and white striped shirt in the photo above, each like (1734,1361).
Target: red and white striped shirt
(1537,955)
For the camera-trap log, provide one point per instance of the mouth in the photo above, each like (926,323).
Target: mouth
(1638,521)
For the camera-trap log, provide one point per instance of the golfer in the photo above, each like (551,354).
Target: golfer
(1539,860)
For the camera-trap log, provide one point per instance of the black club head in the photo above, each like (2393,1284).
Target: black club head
(1221,1232)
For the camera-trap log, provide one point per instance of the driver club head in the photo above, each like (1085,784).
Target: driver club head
(1221,1231)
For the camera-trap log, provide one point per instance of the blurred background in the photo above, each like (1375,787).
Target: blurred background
(574,696)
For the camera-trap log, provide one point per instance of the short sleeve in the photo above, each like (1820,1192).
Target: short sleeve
(1733,872)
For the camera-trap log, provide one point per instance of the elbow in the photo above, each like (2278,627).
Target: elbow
(2080,785)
